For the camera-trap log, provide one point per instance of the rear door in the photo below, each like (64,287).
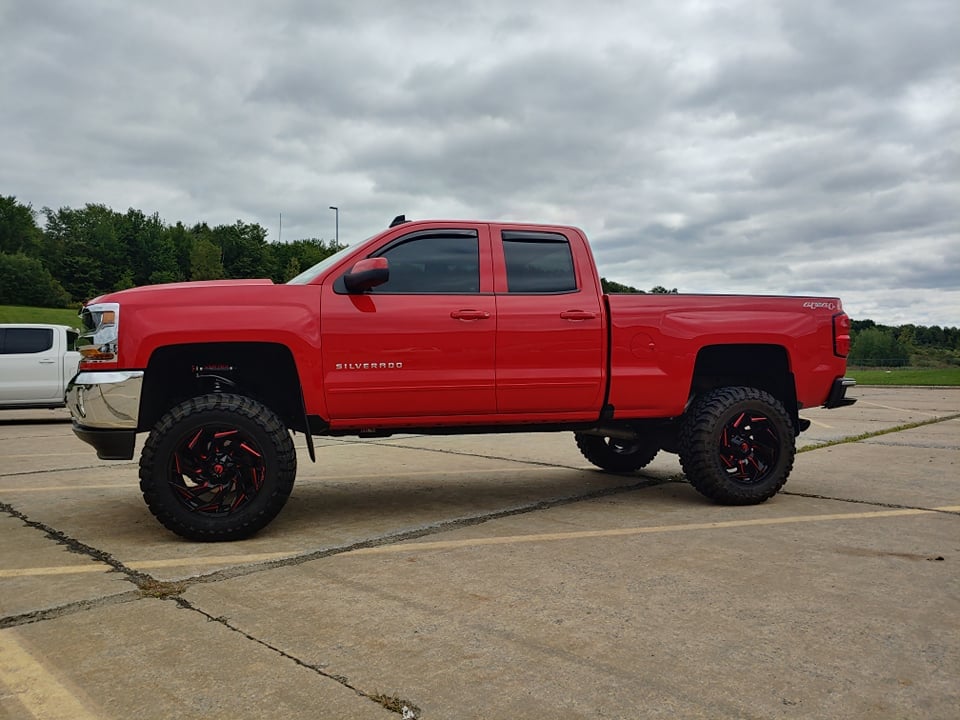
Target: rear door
(550,329)
(423,343)
(29,365)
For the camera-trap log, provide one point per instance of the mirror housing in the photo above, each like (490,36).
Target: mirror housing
(366,274)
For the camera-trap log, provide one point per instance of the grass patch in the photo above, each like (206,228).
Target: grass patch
(50,316)
(906,376)
(877,433)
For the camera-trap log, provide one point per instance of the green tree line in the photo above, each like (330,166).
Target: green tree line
(80,253)
(611,287)
(897,346)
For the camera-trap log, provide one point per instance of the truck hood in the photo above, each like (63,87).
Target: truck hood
(181,287)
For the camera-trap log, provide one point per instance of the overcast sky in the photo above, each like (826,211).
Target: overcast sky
(768,146)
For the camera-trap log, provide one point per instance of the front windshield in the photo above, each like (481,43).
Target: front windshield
(309,274)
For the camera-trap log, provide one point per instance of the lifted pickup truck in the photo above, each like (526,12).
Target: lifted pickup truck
(445,327)
(36,363)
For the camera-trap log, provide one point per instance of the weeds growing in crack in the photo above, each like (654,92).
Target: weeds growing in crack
(405,708)
(877,433)
(160,589)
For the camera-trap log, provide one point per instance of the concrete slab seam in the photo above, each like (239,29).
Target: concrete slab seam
(423,531)
(649,530)
(400,706)
(946,510)
(148,586)
(142,581)
(878,433)
(60,470)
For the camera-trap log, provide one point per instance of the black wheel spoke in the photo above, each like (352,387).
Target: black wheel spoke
(748,447)
(217,470)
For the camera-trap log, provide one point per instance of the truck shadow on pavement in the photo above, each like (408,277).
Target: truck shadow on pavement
(441,501)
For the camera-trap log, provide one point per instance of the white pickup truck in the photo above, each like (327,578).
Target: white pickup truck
(36,363)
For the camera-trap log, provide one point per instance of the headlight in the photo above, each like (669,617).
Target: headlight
(98,341)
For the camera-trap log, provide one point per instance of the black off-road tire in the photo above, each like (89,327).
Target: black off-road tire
(217,467)
(614,454)
(737,445)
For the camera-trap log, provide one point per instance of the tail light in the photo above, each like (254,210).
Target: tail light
(841,334)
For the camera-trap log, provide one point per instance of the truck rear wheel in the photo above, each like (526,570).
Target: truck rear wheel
(615,454)
(217,467)
(737,445)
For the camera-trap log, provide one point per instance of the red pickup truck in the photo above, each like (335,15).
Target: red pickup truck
(445,327)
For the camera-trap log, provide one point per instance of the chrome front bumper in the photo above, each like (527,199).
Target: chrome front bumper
(105,407)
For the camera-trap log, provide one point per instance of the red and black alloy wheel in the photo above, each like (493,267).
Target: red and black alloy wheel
(737,445)
(217,467)
(217,470)
(617,455)
(749,447)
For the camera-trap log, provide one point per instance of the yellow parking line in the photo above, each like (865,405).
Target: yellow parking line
(54,570)
(214,560)
(821,424)
(623,532)
(232,560)
(145,564)
(36,689)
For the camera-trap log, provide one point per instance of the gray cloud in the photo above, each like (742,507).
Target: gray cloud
(789,146)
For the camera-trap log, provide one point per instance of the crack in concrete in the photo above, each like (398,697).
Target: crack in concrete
(148,586)
(143,581)
(424,531)
(405,708)
(35,616)
(870,503)
(60,470)
(877,433)
(75,546)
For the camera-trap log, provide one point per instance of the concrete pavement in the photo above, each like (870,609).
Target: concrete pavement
(495,576)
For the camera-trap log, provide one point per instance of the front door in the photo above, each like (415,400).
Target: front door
(421,344)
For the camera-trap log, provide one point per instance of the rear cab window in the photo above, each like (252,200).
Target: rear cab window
(538,263)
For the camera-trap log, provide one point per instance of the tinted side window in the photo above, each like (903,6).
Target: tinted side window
(538,263)
(447,264)
(27,340)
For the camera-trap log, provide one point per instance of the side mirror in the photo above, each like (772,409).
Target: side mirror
(367,273)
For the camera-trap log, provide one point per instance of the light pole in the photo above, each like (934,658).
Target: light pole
(336,211)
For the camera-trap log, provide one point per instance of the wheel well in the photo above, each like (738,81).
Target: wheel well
(766,367)
(263,371)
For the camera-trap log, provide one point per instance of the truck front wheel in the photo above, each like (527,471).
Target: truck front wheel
(737,445)
(217,467)
(614,454)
